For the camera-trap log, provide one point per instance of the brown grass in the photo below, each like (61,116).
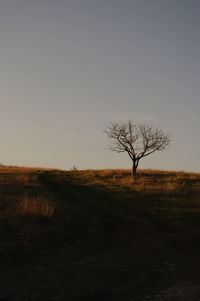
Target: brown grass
(22,194)
(35,206)
(147,181)
(29,207)
(94,235)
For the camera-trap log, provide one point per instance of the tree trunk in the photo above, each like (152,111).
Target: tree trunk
(134,170)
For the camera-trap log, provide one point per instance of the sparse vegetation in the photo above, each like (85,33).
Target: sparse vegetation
(35,206)
(93,235)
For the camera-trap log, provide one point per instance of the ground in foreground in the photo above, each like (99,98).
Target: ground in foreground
(92,235)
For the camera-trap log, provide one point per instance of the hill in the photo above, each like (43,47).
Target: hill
(92,235)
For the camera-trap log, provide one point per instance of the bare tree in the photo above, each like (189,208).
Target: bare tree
(137,139)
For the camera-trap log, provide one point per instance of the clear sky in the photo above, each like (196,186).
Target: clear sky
(69,67)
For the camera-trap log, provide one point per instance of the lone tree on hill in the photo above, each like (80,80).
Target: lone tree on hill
(137,139)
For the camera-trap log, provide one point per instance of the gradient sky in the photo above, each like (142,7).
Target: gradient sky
(68,68)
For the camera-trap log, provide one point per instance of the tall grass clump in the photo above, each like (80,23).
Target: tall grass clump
(36,206)
(30,208)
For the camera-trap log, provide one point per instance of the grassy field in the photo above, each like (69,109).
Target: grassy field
(94,235)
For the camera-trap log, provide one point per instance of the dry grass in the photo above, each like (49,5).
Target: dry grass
(67,234)
(35,206)
(147,181)
(22,194)
(29,207)
(158,188)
